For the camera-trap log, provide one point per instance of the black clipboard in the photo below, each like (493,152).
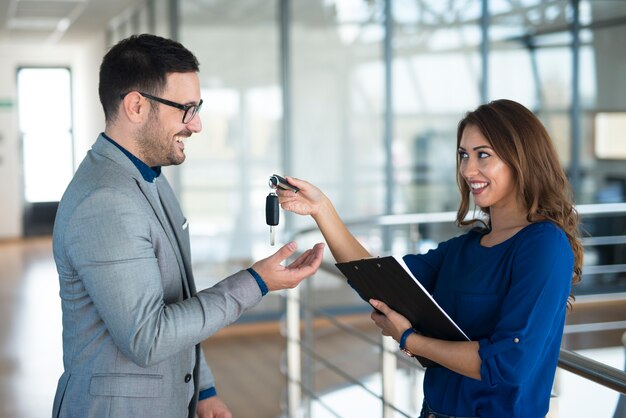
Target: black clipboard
(385,279)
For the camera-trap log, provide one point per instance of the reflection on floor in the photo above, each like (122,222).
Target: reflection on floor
(30,329)
(246,360)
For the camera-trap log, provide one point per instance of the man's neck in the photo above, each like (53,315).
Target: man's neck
(149,174)
(122,138)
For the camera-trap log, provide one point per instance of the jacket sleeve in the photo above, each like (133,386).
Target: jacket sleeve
(110,244)
(533,313)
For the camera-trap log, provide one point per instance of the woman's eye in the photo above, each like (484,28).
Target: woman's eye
(482,154)
(463,155)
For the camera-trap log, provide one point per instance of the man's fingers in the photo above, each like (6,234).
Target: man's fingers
(308,257)
(301,260)
(277,276)
(316,255)
(309,262)
(285,252)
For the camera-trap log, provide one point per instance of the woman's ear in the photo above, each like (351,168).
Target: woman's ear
(135,107)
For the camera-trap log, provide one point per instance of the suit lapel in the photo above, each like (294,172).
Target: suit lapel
(180,230)
(168,225)
(166,216)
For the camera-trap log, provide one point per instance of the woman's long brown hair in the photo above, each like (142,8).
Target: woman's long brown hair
(522,142)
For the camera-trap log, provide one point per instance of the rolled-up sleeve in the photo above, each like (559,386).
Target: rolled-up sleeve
(533,312)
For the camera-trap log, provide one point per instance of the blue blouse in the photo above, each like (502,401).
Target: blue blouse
(512,299)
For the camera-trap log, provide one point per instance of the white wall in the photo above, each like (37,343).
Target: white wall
(84,60)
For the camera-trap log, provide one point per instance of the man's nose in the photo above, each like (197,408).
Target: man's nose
(195,124)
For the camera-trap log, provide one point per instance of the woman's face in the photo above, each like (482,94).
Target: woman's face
(490,180)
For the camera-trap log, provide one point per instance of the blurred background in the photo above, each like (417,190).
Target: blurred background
(360,97)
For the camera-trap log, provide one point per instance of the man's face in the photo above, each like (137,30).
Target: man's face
(161,138)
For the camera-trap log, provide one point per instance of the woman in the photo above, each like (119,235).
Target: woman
(506,282)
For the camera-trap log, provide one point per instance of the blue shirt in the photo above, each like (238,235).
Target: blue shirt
(149,174)
(512,299)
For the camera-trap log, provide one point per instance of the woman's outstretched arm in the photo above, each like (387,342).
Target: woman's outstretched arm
(310,200)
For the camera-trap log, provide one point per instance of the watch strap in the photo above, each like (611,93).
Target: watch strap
(404,337)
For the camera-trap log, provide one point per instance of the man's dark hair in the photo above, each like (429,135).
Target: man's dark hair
(140,62)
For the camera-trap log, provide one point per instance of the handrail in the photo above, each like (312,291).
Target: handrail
(575,363)
(435,217)
(593,370)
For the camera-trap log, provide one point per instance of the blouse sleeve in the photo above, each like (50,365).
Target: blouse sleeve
(425,267)
(533,313)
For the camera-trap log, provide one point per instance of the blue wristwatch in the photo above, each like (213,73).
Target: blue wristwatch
(403,338)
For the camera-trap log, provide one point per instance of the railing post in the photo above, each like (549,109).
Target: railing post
(294,393)
(414,237)
(308,338)
(620,409)
(388,375)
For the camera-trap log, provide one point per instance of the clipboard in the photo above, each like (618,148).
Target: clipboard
(385,279)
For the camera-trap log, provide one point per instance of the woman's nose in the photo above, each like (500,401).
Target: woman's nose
(469,168)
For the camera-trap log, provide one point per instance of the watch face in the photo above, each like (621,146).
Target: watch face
(407,352)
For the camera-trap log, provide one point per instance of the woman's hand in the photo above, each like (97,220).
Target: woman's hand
(307,201)
(459,356)
(389,321)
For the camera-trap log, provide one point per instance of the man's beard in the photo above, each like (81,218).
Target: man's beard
(155,145)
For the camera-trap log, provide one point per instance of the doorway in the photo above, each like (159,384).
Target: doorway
(45,126)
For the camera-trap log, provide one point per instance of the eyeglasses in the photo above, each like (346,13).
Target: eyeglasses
(190,110)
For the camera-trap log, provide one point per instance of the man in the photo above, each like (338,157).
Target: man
(132,319)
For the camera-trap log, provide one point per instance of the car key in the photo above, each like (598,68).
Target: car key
(272,214)
(278,182)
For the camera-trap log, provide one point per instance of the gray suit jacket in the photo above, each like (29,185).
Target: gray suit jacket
(132,320)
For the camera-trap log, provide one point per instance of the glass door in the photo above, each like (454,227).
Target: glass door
(45,123)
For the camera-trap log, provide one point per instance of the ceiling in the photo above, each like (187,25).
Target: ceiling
(56,21)
(41,22)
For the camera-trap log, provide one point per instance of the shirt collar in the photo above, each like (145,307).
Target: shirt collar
(149,174)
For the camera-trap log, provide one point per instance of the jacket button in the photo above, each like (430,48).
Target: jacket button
(187,378)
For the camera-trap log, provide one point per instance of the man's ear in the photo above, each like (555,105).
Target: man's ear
(135,107)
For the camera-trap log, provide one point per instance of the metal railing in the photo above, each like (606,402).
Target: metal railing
(299,323)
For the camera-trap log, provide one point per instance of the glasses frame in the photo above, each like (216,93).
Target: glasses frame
(194,108)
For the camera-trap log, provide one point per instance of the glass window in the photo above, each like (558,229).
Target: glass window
(338,102)
(223,182)
(162,17)
(436,79)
